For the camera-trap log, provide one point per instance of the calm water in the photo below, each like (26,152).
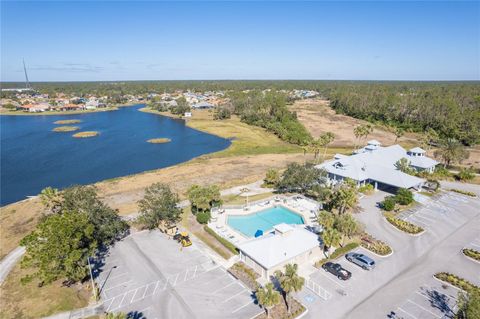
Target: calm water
(34,157)
(263,220)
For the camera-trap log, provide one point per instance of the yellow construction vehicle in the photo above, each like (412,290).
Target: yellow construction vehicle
(183,239)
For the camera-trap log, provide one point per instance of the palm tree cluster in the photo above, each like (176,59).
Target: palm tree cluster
(289,281)
(361,132)
(315,146)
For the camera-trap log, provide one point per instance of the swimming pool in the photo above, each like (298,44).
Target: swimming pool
(263,220)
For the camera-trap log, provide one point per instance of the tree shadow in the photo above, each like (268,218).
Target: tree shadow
(136,315)
(440,301)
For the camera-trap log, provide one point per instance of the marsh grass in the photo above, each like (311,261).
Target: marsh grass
(85,134)
(62,122)
(159,140)
(66,129)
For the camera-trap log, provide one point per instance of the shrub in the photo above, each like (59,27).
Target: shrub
(471,194)
(388,203)
(404,197)
(377,246)
(337,253)
(203,217)
(403,225)
(472,253)
(466,174)
(366,189)
(457,281)
(222,113)
(222,240)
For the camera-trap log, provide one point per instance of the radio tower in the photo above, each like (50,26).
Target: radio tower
(27,83)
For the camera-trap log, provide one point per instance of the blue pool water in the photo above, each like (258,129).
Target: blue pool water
(264,220)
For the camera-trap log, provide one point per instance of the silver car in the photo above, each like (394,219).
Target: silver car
(361,260)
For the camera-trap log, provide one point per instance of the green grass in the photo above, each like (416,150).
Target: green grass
(222,240)
(337,253)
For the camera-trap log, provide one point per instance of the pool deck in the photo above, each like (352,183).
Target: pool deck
(298,204)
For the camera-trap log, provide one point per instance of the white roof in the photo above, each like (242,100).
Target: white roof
(374,142)
(417,150)
(273,249)
(379,165)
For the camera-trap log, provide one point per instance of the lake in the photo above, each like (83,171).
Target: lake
(33,157)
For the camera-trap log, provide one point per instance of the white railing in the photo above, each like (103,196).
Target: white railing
(321,292)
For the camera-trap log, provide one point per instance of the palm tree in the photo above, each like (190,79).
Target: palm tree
(268,297)
(51,199)
(357,131)
(399,133)
(328,138)
(347,226)
(331,237)
(315,146)
(367,130)
(290,281)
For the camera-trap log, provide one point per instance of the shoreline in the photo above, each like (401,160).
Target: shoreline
(48,113)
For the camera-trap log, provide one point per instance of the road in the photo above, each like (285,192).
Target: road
(9,262)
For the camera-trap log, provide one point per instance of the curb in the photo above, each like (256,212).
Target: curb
(404,232)
(380,256)
(472,259)
(447,283)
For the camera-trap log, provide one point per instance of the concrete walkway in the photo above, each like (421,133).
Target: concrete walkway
(86,312)
(9,262)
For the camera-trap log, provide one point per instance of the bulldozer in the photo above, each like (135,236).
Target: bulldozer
(183,239)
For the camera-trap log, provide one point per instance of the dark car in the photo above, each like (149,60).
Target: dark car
(361,260)
(337,270)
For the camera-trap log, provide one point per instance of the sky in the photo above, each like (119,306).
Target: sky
(133,40)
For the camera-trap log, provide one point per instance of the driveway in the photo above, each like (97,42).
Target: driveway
(453,224)
(153,277)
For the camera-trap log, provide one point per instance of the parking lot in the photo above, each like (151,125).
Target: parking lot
(431,300)
(151,276)
(403,282)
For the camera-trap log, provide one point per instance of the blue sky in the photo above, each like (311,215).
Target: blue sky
(382,40)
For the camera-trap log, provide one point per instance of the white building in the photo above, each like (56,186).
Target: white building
(376,165)
(287,244)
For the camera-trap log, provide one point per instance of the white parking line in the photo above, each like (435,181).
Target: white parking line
(156,286)
(408,313)
(241,307)
(475,245)
(131,300)
(328,277)
(124,295)
(420,214)
(233,282)
(416,304)
(120,284)
(231,297)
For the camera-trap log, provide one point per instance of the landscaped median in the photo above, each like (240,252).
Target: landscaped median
(403,225)
(472,253)
(456,281)
(245,274)
(375,246)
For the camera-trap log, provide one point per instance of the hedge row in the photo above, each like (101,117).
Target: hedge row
(403,225)
(222,240)
(472,253)
(471,194)
(457,281)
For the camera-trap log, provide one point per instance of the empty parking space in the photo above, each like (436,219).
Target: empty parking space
(139,276)
(431,300)
(332,287)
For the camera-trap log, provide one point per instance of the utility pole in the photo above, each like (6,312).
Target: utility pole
(91,278)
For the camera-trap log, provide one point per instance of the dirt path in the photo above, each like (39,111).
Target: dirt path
(317,116)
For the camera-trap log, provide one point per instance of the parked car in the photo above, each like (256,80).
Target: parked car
(361,260)
(337,270)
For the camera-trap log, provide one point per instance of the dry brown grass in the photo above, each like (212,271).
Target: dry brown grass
(317,116)
(30,301)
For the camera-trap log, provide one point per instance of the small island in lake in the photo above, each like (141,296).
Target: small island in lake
(85,134)
(66,129)
(159,140)
(67,122)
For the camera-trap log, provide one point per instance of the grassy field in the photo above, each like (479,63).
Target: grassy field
(246,139)
(30,301)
